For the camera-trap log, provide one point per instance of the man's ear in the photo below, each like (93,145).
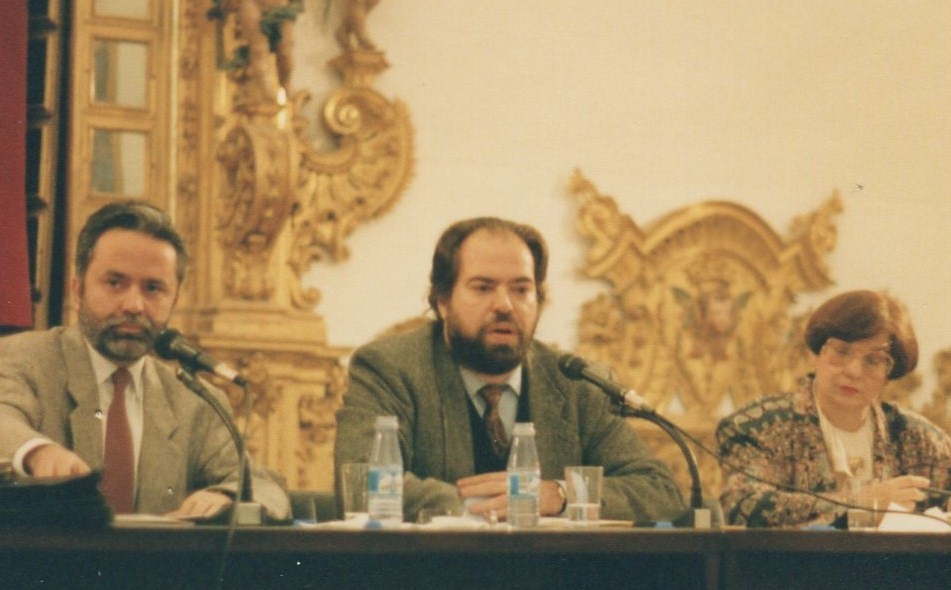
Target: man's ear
(441,309)
(76,291)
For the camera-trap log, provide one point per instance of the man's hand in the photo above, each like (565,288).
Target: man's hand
(202,504)
(52,460)
(485,494)
(488,493)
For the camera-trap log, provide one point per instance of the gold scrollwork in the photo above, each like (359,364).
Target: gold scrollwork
(936,409)
(316,424)
(360,180)
(280,203)
(698,312)
(274,178)
(698,315)
(256,199)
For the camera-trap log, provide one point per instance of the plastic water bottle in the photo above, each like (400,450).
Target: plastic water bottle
(385,476)
(524,477)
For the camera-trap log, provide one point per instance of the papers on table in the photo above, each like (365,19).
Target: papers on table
(898,519)
(147,520)
(463,523)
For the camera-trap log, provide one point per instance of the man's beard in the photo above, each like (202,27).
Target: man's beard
(113,344)
(496,359)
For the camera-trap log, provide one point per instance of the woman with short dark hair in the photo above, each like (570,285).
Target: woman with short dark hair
(834,436)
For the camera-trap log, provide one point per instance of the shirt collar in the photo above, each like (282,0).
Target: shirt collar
(473,383)
(104,368)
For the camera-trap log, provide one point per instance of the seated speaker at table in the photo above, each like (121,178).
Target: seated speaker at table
(457,386)
(90,397)
(835,436)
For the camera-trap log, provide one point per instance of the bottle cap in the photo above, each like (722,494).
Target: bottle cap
(523,428)
(386,422)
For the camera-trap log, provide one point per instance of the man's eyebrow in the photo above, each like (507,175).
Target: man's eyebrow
(485,279)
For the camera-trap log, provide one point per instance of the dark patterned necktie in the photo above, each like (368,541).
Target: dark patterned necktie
(492,420)
(118,478)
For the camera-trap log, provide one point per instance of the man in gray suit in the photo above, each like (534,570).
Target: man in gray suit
(57,390)
(486,287)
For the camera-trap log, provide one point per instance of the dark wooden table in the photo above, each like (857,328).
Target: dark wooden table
(292,557)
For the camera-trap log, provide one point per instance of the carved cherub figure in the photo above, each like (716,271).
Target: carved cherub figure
(268,27)
(352,32)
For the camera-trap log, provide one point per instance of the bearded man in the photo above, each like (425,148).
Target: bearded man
(89,397)
(487,286)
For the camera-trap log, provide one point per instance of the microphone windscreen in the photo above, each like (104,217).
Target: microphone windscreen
(164,343)
(572,366)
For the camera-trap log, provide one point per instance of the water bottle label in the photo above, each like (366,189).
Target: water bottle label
(385,481)
(524,483)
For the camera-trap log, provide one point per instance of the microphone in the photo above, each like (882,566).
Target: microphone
(634,406)
(171,345)
(575,367)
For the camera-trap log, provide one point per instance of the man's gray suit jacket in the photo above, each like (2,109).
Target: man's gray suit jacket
(414,377)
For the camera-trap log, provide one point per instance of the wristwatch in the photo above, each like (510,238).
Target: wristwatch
(563,495)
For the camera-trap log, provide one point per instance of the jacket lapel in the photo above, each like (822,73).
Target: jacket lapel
(158,447)
(457,434)
(85,418)
(550,415)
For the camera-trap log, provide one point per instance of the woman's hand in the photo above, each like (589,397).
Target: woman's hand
(902,490)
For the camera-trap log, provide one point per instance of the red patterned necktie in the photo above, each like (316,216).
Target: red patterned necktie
(118,478)
(492,420)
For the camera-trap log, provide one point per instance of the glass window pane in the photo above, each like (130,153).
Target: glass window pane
(138,9)
(121,73)
(119,162)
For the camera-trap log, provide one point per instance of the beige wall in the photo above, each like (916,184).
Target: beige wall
(771,104)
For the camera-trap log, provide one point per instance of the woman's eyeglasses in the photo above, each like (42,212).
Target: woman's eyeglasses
(875,363)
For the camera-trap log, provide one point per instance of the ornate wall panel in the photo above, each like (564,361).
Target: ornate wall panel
(936,409)
(260,204)
(698,312)
(697,315)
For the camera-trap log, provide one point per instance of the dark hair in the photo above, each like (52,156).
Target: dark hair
(445,269)
(857,315)
(132,215)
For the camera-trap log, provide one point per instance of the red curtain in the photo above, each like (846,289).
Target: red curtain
(15,308)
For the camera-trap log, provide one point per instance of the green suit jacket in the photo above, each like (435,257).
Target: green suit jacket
(48,388)
(414,377)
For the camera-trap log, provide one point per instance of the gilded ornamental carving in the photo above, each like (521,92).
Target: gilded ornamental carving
(936,409)
(697,313)
(258,167)
(273,172)
(697,316)
(274,204)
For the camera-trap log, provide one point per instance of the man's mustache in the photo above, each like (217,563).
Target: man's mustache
(149,330)
(503,317)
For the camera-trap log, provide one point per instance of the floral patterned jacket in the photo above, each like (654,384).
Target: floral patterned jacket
(778,440)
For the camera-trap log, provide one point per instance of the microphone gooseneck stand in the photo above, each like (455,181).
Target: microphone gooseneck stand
(697,516)
(628,404)
(246,511)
